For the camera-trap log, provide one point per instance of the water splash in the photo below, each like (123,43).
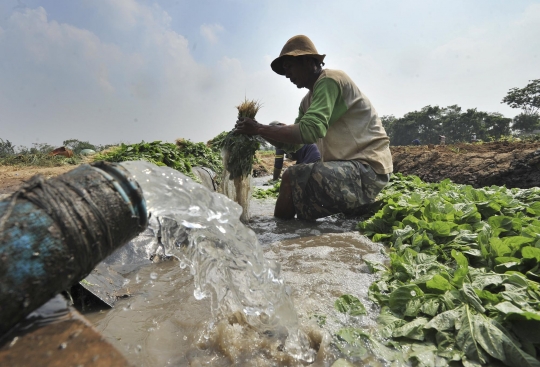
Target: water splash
(202,229)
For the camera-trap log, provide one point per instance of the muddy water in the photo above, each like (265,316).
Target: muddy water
(162,324)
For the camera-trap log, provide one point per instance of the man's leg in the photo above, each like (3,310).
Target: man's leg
(284,205)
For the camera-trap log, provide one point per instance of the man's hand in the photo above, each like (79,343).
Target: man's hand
(247,126)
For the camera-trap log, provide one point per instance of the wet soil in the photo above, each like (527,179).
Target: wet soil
(56,335)
(513,164)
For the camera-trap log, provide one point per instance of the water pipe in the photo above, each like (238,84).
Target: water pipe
(54,232)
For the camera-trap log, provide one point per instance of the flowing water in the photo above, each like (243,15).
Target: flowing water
(228,298)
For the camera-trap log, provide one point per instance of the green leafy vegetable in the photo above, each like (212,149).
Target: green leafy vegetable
(350,305)
(180,156)
(271,192)
(462,285)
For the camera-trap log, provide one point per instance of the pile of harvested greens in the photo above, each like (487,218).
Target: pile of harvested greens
(241,148)
(462,287)
(271,192)
(180,156)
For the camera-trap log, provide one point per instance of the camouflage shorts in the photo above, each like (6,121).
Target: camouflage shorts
(325,188)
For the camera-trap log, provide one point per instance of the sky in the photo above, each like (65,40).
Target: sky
(111,71)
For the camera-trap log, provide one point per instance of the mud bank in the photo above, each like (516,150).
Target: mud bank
(513,164)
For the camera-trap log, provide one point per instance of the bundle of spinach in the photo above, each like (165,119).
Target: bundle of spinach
(462,286)
(241,148)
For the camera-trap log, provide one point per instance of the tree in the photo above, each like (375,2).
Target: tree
(424,125)
(388,122)
(6,148)
(496,126)
(528,99)
(526,123)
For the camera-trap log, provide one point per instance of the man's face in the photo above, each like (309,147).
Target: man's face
(297,70)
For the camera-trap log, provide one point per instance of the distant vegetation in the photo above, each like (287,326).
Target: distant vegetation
(38,154)
(458,125)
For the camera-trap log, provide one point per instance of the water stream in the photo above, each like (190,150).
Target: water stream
(228,298)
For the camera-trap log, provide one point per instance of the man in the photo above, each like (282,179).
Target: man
(442,140)
(335,114)
(309,153)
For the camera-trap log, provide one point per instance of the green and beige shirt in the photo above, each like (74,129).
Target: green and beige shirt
(340,119)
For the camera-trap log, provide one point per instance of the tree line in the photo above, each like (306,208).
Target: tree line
(7,148)
(459,125)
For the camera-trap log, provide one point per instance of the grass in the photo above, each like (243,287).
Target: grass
(40,160)
(266,152)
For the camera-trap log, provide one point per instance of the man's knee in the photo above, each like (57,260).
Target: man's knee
(284,205)
(286,176)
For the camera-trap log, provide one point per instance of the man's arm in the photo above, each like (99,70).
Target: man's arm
(309,126)
(288,134)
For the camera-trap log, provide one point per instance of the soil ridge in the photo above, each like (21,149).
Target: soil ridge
(512,164)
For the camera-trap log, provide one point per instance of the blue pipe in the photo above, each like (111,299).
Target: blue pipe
(54,232)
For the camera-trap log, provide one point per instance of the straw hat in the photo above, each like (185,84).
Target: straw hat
(297,46)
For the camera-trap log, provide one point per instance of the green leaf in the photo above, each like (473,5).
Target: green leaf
(516,242)
(497,344)
(534,208)
(388,322)
(350,304)
(400,297)
(441,229)
(354,344)
(412,330)
(438,284)
(446,346)
(506,259)
(443,321)
(487,296)
(375,267)
(507,307)
(499,248)
(430,306)
(531,253)
(466,338)
(471,297)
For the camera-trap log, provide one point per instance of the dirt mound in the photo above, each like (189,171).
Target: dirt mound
(265,165)
(11,177)
(513,164)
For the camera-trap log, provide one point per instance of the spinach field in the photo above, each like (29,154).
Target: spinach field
(461,288)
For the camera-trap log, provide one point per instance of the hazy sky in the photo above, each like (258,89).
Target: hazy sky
(108,71)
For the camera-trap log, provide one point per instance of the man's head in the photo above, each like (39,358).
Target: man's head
(298,61)
(301,70)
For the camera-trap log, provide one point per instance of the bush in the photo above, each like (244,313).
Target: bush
(6,148)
